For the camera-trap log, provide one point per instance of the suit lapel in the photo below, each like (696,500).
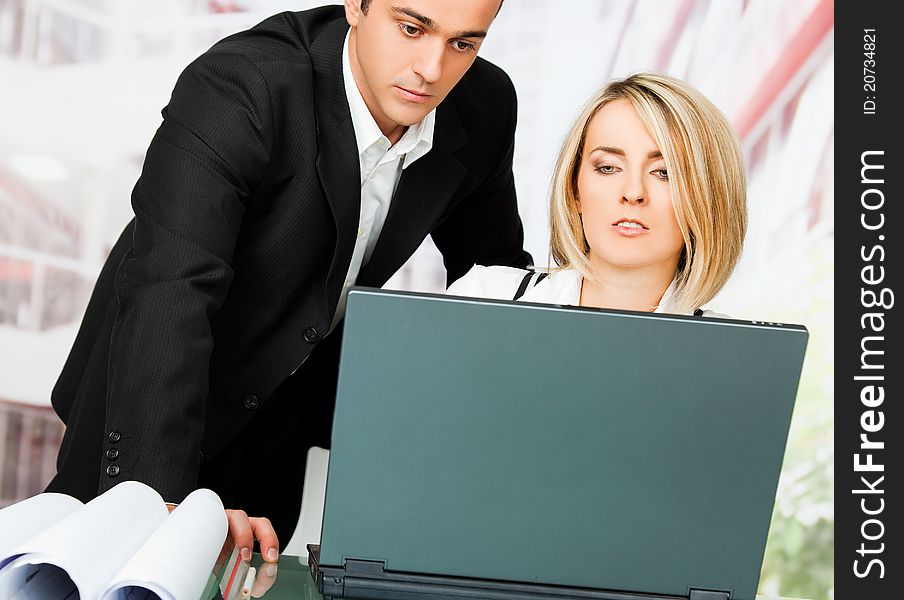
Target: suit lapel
(424,191)
(425,188)
(337,159)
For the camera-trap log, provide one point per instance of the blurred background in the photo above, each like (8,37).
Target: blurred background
(82,83)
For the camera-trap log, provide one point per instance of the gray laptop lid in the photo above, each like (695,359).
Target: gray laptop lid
(562,446)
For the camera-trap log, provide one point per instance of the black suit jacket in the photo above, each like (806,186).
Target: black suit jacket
(245,217)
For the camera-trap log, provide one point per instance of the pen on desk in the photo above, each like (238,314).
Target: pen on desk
(249,583)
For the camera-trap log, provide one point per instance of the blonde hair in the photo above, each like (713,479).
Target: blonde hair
(706,176)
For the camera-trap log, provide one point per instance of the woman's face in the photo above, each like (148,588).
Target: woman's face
(624,195)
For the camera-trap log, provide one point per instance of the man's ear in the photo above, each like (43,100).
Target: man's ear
(353,12)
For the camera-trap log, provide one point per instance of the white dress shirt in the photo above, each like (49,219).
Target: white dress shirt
(381,166)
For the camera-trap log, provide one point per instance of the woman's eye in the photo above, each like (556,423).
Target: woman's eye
(605,169)
(409,30)
(662,174)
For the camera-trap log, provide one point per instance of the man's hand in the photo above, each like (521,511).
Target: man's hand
(244,530)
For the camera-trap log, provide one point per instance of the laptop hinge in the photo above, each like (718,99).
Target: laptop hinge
(364,568)
(708,595)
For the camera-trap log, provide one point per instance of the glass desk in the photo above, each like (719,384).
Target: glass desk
(292,581)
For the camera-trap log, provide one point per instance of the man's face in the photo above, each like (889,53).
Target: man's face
(407,55)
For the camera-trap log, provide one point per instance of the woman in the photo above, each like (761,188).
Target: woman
(647,209)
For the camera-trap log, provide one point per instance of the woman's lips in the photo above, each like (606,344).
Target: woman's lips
(628,228)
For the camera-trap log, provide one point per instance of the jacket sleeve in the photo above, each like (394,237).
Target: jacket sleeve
(485,227)
(210,152)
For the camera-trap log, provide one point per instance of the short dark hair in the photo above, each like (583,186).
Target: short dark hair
(366,3)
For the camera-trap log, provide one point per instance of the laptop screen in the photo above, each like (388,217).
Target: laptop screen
(556,445)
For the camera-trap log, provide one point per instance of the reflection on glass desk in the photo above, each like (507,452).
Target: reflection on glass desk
(289,578)
(292,581)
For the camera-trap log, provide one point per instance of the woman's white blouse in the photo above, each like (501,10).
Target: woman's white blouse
(560,287)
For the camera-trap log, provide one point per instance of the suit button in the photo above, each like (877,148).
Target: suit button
(113,470)
(114,437)
(112,453)
(311,335)
(251,402)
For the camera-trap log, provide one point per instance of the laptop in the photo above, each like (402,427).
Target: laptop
(498,450)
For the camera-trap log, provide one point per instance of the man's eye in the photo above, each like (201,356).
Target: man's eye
(462,46)
(409,30)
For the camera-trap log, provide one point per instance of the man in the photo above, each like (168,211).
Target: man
(304,155)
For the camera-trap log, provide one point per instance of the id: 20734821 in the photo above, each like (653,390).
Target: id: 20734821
(869,71)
